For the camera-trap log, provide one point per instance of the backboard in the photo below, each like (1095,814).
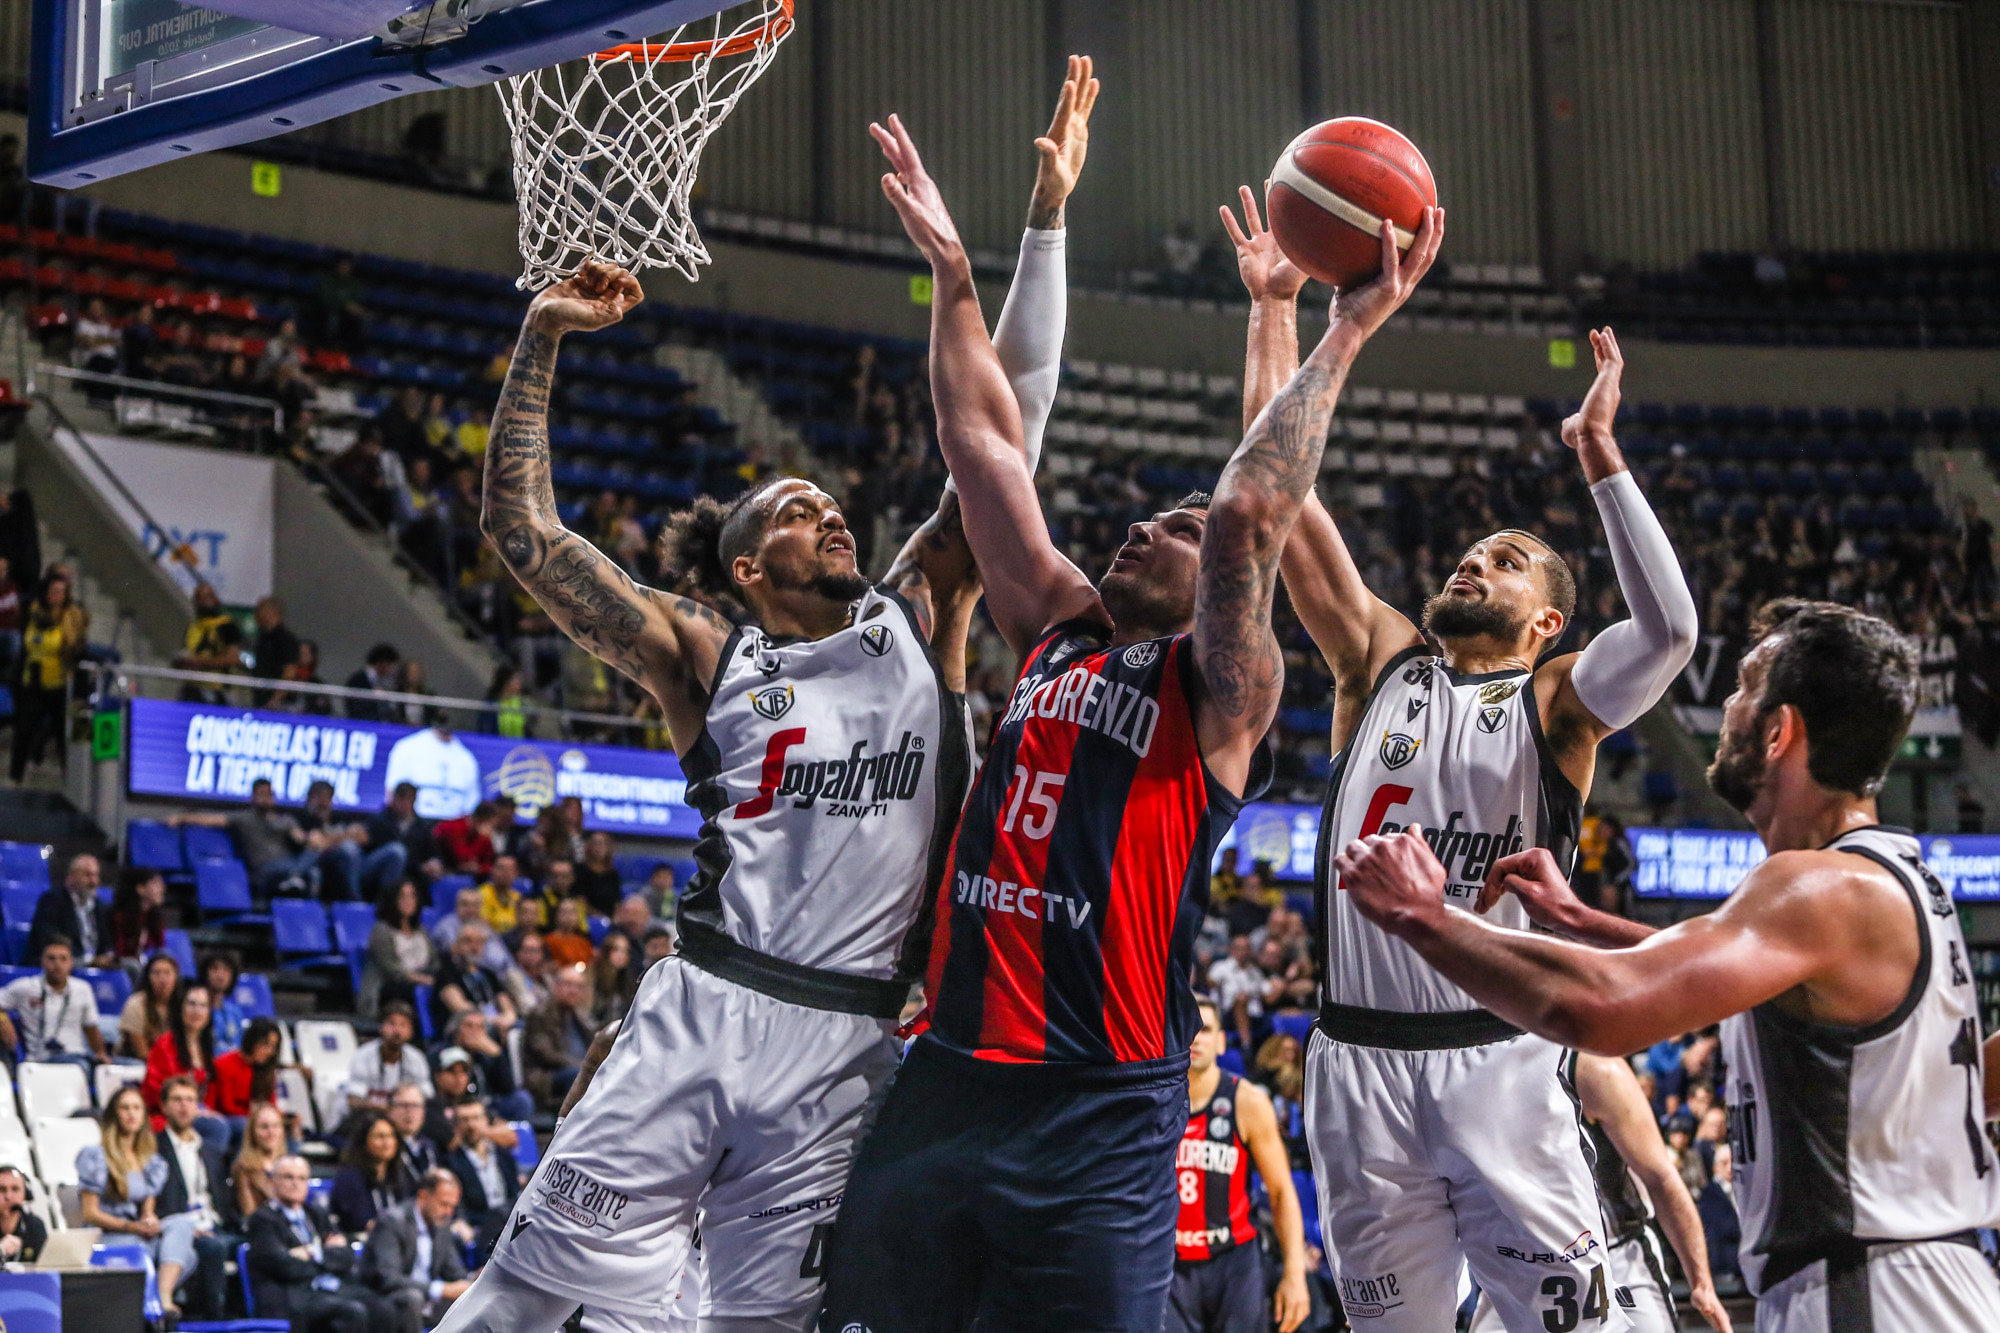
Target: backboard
(121,84)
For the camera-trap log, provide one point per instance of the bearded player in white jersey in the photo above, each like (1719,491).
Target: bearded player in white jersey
(1442,1137)
(825,745)
(1859,1087)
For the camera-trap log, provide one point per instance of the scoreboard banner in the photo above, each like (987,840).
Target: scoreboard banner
(210,752)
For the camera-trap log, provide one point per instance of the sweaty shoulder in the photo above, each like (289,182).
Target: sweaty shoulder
(1848,917)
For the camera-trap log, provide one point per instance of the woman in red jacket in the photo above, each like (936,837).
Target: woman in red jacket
(188,1047)
(248,1075)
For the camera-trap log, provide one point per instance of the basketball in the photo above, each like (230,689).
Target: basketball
(1332,186)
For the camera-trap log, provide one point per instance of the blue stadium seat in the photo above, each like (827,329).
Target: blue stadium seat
(253,993)
(206,844)
(430,916)
(13,972)
(222,890)
(154,845)
(110,985)
(529,1150)
(181,949)
(423,1008)
(1296,1026)
(300,934)
(444,890)
(1232,1060)
(352,923)
(25,861)
(17,904)
(600,926)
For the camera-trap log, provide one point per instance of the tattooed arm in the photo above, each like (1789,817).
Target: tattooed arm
(1256,504)
(668,644)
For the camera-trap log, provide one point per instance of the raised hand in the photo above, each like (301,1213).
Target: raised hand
(1369,306)
(914,195)
(1064,147)
(597,296)
(1600,405)
(1266,273)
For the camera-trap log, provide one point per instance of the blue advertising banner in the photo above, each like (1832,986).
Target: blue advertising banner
(1707,863)
(1967,863)
(213,753)
(31,1302)
(1280,832)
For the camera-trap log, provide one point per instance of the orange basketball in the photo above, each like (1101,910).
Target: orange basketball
(1331,189)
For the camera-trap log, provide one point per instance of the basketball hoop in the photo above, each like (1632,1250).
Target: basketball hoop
(606,149)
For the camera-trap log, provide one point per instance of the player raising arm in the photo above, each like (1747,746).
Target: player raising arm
(1858,1085)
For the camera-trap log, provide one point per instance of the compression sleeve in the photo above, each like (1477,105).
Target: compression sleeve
(1029,336)
(1625,669)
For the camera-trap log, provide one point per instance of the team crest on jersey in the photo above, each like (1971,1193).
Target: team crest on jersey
(1218,1128)
(1218,1106)
(1140,655)
(876,640)
(1399,749)
(1491,719)
(773,701)
(1499,692)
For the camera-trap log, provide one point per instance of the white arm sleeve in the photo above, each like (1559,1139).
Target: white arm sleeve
(1624,670)
(1029,336)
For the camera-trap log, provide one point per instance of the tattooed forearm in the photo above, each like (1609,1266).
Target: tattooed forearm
(520,494)
(1044,216)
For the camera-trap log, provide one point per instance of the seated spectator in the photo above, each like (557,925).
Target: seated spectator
(195,1177)
(58,1014)
(558,884)
(465,844)
(379,673)
(632,920)
(304,670)
(187,1048)
(1289,983)
(220,971)
(118,1185)
(658,944)
(381,1066)
(372,1178)
(472,1036)
(568,944)
(456,1082)
(408,1111)
(247,1076)
(491,1180)
(1719,1220)
(529,919)
(611,983)
(507,833)
(466,911)
(465,982)
(500,896)
(401,838)
(281,856)
(301,1268)
(597,878)
(413,1258)
(529,977)
(348,873)
(214,643)
(138,925)
(264,1142)
(74,913)
(662,896)
(1239,989)
(143,1020)
(556,1037)
(22,1234)
(401,956)
(275,647)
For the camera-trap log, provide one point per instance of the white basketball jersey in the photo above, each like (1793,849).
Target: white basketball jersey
(828,777)
(1844,1135)
(1464,757)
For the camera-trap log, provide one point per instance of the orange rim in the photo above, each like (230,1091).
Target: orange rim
(681,52)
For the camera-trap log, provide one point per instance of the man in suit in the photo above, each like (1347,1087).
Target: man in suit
(198,1183)
(407,1107)
(299,1263)
(485,1170)
(379,675)
(413,1258)
(74,913)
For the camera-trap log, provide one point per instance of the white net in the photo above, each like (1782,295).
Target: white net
(606,149)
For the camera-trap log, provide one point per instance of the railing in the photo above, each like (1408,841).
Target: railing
(229,409)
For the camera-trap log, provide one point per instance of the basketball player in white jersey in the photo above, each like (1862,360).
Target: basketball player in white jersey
(1858,1085)
(1640,1187)
(825,746)
(1441,1136)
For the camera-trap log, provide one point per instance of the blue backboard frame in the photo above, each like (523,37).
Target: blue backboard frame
(328,79)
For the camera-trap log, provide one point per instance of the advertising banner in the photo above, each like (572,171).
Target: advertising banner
(209,752)
(1280,832)
(1709,863)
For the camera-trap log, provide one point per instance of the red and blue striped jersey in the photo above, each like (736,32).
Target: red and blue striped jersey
(1066,922)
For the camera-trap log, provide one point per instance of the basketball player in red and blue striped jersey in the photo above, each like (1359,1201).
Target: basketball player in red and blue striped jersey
(1021,1172)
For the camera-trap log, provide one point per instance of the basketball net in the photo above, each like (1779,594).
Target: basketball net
(606,149)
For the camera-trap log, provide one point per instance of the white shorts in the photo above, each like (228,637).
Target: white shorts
(1914,1287)
(1430,1162)
(714,1096)
(1639,1285)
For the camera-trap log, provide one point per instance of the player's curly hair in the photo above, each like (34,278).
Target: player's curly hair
(698,544)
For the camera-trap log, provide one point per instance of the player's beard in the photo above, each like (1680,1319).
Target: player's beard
(1449,616)
(1132,600)
(840,587)
(1736,774)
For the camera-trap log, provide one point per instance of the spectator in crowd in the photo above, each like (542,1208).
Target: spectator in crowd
(529,918)
(612,983)
(507,711)
(1280,1069)
(58,1014)
(507,834)
(195,1177)
(214,643)
(304,670)
(465,982)
(138,923)
(247,1076)
(568,943)
(186,1049)
(347,872)
(465,844)
(556,1038)
(118,1184)
(632,920)
(1289,983)
(74,913)
(366,477)
(558,883)
(661,894)
(472,1036)
(401,838)
(334,313)
(407,1107)
(658,944)
(52,643)
(500,896)
(275,648)
(22,1234)
(550,841)
(411,679)
(413,1257)
(456,1082)
(491,1180)
(264,1142)
(1239,989)
(220,971)
(597,878)
(466,910)
(10,622)
(529,977)
(1716,1202)
(301,1267)
(372,1178)
(143,1020)
(401,956)
(381,1066)
(377,674)
(281,856)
